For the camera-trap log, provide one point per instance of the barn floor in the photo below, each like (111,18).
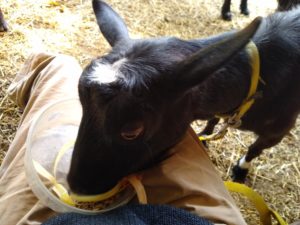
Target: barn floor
(69,27)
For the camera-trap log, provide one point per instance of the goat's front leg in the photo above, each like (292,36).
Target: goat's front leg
(225,12)
(209,128)
(244,7)
(3,24)
(240,170)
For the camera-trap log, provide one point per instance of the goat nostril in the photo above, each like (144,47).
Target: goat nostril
(132,130)
(129,136)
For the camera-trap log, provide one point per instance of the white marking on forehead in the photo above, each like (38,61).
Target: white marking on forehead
(106,73)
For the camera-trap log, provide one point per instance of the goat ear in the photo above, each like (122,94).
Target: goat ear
(110,23)
(195,69)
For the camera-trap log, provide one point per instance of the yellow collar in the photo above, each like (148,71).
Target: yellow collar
(255,64)
(235,119)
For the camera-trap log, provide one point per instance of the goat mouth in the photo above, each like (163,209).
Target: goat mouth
(131,180)
(99,197)
(92,189)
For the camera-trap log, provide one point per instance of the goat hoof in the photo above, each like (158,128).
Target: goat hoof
(203,142)
(226,16)
(246,12)
(239,174)
(3,27)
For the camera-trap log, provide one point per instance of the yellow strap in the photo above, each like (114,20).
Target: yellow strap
(255,65)
(248,102)
(85,198)
(98,197)
(59,190)
(60,154)
(215,136)
(264,211)
(139,188)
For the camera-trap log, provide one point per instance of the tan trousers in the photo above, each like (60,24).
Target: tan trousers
(187,179)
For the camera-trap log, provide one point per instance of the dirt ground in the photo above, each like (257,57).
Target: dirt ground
(69,27)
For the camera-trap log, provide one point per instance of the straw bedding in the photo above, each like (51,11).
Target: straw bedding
(69,27)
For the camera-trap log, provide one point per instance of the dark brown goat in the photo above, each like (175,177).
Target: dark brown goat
(3,24)
(140,98)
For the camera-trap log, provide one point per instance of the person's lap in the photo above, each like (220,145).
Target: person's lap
(186,180)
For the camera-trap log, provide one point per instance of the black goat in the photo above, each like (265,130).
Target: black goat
(225,12)
(139,99)
(3,24)
(283,5)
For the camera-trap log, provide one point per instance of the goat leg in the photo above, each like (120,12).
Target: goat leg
(225,12)
(3,24)
(210,125)
(209,128)
(244,7)
(285,5)
(240,170)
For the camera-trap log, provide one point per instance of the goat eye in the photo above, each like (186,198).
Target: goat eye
(132,130)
